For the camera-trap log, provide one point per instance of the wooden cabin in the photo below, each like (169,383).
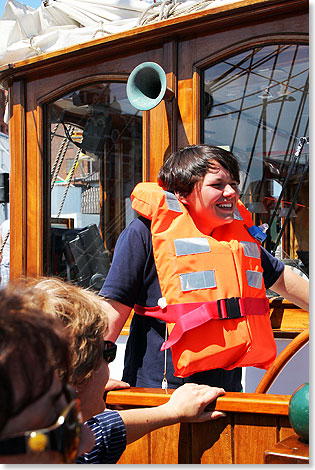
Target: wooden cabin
(238,78)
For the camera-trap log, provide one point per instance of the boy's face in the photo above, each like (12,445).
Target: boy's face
(213,200)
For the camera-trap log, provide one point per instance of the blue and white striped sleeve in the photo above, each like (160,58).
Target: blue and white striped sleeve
(110,439)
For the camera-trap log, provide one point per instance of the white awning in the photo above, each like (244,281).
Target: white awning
(58,24)
(26,32)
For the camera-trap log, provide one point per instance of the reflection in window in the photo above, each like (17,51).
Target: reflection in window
(95,148)
(256,105)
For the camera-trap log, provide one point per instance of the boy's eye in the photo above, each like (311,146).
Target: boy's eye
(221,185)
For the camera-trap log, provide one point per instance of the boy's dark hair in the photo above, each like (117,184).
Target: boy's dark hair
(33,348)
(184,168)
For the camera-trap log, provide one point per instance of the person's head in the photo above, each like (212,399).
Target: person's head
(189,165)
(205,179)
(83,315)
(35,366)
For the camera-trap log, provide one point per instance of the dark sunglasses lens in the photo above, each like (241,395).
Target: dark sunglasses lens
(109,352)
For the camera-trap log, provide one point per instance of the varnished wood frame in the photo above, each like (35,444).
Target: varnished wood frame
(254,423)
(27,166)
(231,51)
(17,180)
(43,102)
(282,359)
(216,18)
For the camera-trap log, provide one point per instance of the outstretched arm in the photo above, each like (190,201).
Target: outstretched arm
(186,404)
(292,287)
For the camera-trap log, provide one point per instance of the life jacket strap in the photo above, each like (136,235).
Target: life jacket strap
(191,315)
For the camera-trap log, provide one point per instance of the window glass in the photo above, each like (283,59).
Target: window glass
(4,210)
(255,104)
(95,147)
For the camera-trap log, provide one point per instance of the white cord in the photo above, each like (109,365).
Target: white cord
(164,381)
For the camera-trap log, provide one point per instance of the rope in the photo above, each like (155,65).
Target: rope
(69,182)
(53,168)
(170,8)
(100,29)
(54,131)
(59,159)
(4,242)
(35,48)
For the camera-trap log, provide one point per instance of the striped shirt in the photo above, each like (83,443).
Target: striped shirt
(110,439)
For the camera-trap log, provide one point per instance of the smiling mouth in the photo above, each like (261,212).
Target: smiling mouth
(225,205)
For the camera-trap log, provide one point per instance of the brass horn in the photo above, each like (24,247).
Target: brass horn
(147,87)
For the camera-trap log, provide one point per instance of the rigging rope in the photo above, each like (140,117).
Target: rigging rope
(54,131)
(70,175)
(4,242)
(59,159)
(169,8)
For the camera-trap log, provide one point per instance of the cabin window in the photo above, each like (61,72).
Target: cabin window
(255,104)
(94,142)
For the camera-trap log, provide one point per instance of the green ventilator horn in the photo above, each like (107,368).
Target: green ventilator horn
(147,86)
(299,411)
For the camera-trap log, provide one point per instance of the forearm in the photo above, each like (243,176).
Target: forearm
(139,422)
(186,404)
(293,288)
(117,315)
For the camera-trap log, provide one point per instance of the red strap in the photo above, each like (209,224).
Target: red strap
(191,315)
(249,305)
(199,316)
(171,313)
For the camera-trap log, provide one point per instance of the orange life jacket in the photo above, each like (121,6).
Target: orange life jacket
(214,299)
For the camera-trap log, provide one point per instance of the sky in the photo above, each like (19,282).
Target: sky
(31,3)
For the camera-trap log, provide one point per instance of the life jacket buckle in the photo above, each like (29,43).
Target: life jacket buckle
(229,308)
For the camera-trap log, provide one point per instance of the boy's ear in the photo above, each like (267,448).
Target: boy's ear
(181,199)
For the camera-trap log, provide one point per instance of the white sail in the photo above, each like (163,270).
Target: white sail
(57,24)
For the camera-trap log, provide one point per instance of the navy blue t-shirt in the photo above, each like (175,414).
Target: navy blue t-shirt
(132,279)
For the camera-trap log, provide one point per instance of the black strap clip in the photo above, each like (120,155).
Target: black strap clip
(232,308)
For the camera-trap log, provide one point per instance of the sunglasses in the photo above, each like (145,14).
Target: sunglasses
(63,436)
(109,351)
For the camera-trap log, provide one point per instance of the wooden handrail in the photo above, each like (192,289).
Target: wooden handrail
(292,348)
(254,422)
(230,402)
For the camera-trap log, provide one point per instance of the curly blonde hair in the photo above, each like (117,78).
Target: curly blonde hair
(81,311)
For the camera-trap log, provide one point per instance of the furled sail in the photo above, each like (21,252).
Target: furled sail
(57,24)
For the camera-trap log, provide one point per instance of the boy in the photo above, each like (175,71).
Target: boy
(203,181)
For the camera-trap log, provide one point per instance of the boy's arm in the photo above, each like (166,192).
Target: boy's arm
(186,404)
(117,315)
(292,287)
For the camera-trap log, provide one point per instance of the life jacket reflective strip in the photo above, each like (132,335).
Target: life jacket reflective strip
(216,308)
